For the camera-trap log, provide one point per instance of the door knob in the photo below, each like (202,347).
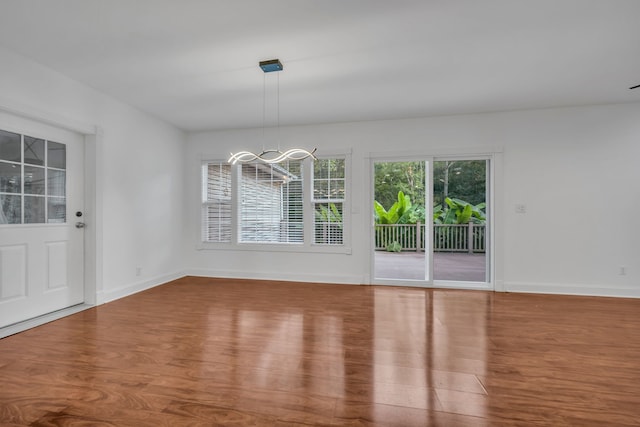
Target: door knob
(79,224)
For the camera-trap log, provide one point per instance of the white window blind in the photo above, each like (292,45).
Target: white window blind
(328,200)
(271,207)
(259,203)
(216,206)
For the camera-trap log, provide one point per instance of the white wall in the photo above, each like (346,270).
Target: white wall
(575,169)
(139,173)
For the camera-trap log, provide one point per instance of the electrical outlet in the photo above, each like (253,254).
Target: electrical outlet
(138,271)
(521,208)
(623,270)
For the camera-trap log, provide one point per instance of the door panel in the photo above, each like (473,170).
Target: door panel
(41,250)
(401,232)
(460,220)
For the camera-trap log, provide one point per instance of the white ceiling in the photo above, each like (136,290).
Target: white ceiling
(194,63)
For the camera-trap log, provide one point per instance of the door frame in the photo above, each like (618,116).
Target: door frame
(495,259)
(92,136)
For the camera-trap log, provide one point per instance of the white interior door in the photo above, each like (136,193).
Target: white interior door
(41,236)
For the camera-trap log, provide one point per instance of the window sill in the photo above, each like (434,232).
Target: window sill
(275,247)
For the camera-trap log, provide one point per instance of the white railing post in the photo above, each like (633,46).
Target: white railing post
(470,237)
(418,240)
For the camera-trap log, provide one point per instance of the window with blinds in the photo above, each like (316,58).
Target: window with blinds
(216,203)
(271,203)
(328,200)
(260,203)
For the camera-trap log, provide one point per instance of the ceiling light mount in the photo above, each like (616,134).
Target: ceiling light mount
(271,65)
(271,156)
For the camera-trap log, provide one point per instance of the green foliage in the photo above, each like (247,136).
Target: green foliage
(459,188)
(401,212)
(459,212)
(394,247)
(413,215)
(329,214)
(464,179)
(393,177)
(395,212)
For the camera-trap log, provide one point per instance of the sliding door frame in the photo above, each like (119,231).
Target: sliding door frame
(494,190)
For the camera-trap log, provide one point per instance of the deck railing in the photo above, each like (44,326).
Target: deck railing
(446,237)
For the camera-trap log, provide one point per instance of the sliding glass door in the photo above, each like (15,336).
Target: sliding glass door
(431,222)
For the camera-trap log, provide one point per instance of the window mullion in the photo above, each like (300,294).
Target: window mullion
(307,203)
(236,195)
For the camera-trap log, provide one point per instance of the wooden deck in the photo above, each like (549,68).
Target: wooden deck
(462,267)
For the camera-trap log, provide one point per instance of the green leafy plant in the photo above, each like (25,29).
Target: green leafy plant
(329,214)
(401,212)
(459,212)
(395,212)
(394,247)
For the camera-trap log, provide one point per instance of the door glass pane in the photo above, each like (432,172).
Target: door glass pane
(399,212)
(33,180)
(57,209)
(10,209)
(459,216)
(34,151)
(34,210)
(57,182)
(10,181)
(10,146)
(57,155)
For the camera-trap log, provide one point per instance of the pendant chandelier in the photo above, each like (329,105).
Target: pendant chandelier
(271,155)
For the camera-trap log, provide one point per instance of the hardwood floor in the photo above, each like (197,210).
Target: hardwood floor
(213,352)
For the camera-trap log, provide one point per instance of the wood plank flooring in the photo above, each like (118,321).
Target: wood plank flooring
(214,352)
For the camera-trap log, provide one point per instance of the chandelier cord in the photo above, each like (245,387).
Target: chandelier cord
(271,155)
(264,109)
(278,109)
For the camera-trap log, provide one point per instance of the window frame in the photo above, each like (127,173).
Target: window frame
(329,200)
(308,244)
(215,202)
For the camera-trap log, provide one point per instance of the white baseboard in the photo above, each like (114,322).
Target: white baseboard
(572,289)
(522,287)
(310,278)
(124,291)
(41,320)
